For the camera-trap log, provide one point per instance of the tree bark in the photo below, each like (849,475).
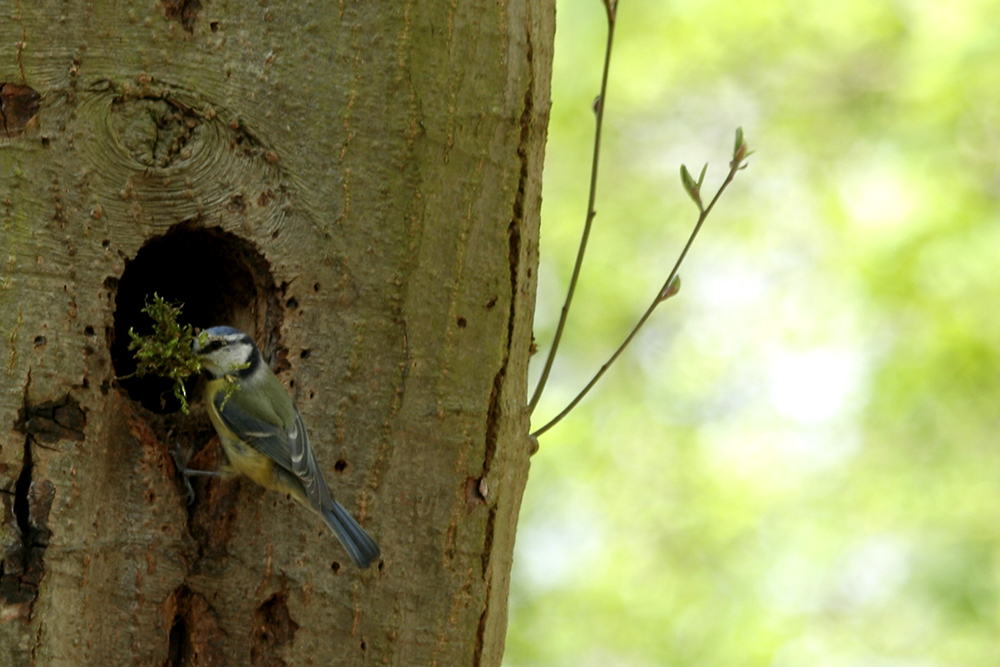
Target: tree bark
(358,187)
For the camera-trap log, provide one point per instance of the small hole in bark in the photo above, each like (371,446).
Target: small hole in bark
(340,465)
(335,566)
(316,287)
(39,341)
(304,354)
(292,304)
(19,106)
(183,11)
(88,330)
(237,204)
(461,323)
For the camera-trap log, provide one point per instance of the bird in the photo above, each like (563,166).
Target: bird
(263,434)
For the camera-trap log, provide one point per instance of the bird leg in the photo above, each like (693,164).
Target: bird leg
(188,473)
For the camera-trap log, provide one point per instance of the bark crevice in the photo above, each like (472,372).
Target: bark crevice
(494,415)
(196,638)
(273,628)
(23,564)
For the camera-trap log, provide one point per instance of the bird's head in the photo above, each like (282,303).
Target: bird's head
(226,351)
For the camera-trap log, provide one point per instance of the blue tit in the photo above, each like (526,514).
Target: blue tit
(263,434)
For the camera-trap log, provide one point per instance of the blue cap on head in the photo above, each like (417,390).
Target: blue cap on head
(222,331)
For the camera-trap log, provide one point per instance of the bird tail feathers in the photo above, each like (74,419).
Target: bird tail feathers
(359,544)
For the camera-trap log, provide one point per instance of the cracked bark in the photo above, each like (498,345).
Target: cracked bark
(359,188)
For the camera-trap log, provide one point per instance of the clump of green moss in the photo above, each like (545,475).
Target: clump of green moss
(167,351)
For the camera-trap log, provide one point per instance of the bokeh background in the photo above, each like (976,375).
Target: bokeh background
(798,461)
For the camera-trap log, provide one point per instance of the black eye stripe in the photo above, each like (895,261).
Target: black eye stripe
(214,345)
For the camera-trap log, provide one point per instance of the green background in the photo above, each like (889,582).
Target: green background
(797,463)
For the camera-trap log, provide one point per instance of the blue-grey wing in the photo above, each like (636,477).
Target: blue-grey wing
(267,438)
(286,446)
(305,467)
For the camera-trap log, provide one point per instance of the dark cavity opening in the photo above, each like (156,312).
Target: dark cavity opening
(219,278)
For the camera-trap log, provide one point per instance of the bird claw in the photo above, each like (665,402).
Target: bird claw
(178,458)
(188,473)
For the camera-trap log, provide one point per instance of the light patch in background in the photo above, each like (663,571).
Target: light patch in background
(811,652)
(814,386)
(552,551)
(872,572)
(605,658)
(799,421)
(876,194)
(794,585)
(731,279)
(777,457)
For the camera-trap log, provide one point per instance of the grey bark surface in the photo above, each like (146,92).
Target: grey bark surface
(378,168)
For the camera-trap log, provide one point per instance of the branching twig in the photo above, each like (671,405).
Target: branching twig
(611,7)
(672,283)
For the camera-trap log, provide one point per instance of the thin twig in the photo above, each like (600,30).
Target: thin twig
(665,291)
(611,7)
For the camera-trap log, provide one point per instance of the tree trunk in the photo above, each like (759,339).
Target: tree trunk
(355,185)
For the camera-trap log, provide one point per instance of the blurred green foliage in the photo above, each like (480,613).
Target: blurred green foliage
(798,462)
